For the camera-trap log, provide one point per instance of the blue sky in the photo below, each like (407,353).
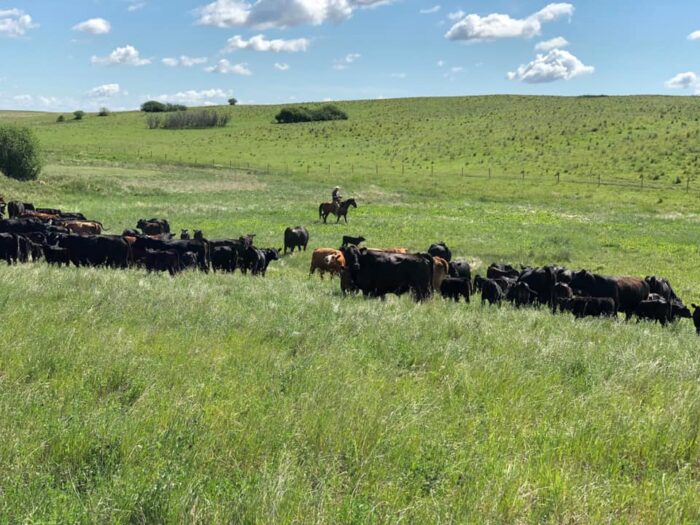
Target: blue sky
(84,54)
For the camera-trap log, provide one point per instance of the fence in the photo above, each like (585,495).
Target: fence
(97,153)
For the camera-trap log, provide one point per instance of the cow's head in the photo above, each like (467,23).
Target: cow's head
(352,258)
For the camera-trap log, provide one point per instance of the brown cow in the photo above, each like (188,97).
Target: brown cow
(441,270)
(327,260)
(401,251)
(83,227)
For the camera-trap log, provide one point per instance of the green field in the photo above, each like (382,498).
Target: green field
(127,397)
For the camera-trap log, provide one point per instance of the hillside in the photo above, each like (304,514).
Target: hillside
(616,138)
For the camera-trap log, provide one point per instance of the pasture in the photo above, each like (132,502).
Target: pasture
(127,397)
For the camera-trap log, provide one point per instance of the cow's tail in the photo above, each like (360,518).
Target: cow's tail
(320,211)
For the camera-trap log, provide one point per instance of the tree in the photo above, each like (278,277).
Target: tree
(78,115)
(61,118)
(153,106)
(104,112)
(232,101)
(20,156)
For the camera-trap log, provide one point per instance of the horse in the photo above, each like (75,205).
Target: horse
(339,210)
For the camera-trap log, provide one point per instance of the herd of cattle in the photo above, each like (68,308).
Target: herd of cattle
(65,238)
(378,272)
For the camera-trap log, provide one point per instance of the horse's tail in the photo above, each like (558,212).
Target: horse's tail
(320,211)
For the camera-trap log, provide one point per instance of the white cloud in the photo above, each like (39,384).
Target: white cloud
(440,63)
(15,22)
(126,56)
(555,65)
(343,63)
(206,97)
(430,10)
(554,43)
(106,90)
(259,43)
(695,35)
(225,67)
(23,99)
(281,66)
(456,15)
(400,76)
(184,61)
(94,26)
(476,28)
(265,14)
(684,81)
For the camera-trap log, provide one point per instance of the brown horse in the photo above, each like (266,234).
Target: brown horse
(339,210)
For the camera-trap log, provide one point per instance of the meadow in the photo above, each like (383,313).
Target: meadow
(135,398)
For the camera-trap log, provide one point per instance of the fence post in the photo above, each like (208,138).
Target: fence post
(642,177)
(462,171)
(687,184)
(489,172)
(599,179)
(523,174)
(307,169)
(558,180)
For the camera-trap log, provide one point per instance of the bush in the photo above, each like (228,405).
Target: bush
(19,153)
(61,118)
(78,115)
(153,106)
(189,120)
(232,102)
(303,114)
(104,112)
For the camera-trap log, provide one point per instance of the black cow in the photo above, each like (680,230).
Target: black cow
(541,281)
(153,226)
(258,260)
(163,261)
(297,237)
(184,235)
(696,318)
(460,269)
(501,270)
(440,249)
(589,306)
(348,240)
(522,295)
(456,287)
(593,285)
(55,255)
(661,286)
(198,235)
(200,248)
(224,258)
(655,310)
(491,291)
(561,291)
(97,250)
(9,248)
(379,273)
(188,261)
(15,209)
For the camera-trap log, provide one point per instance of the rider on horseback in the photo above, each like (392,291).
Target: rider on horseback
(336,196)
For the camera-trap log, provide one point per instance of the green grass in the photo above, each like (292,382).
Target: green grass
(127,397)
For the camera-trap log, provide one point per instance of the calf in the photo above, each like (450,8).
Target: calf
(491,291)
(454,287)
(696,318)
(55,255)
(441,270)
(655,310)
(521,295)
(153,226)
(9,247)
(327,260)
(162,261)
(224,258)
(184,235)
(589,306)
(560,292)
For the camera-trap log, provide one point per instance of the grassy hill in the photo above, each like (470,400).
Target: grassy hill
(128,397)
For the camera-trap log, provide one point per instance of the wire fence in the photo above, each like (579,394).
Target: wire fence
(684,184)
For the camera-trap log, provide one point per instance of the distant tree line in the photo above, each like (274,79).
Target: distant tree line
(153,106)
(295,114)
